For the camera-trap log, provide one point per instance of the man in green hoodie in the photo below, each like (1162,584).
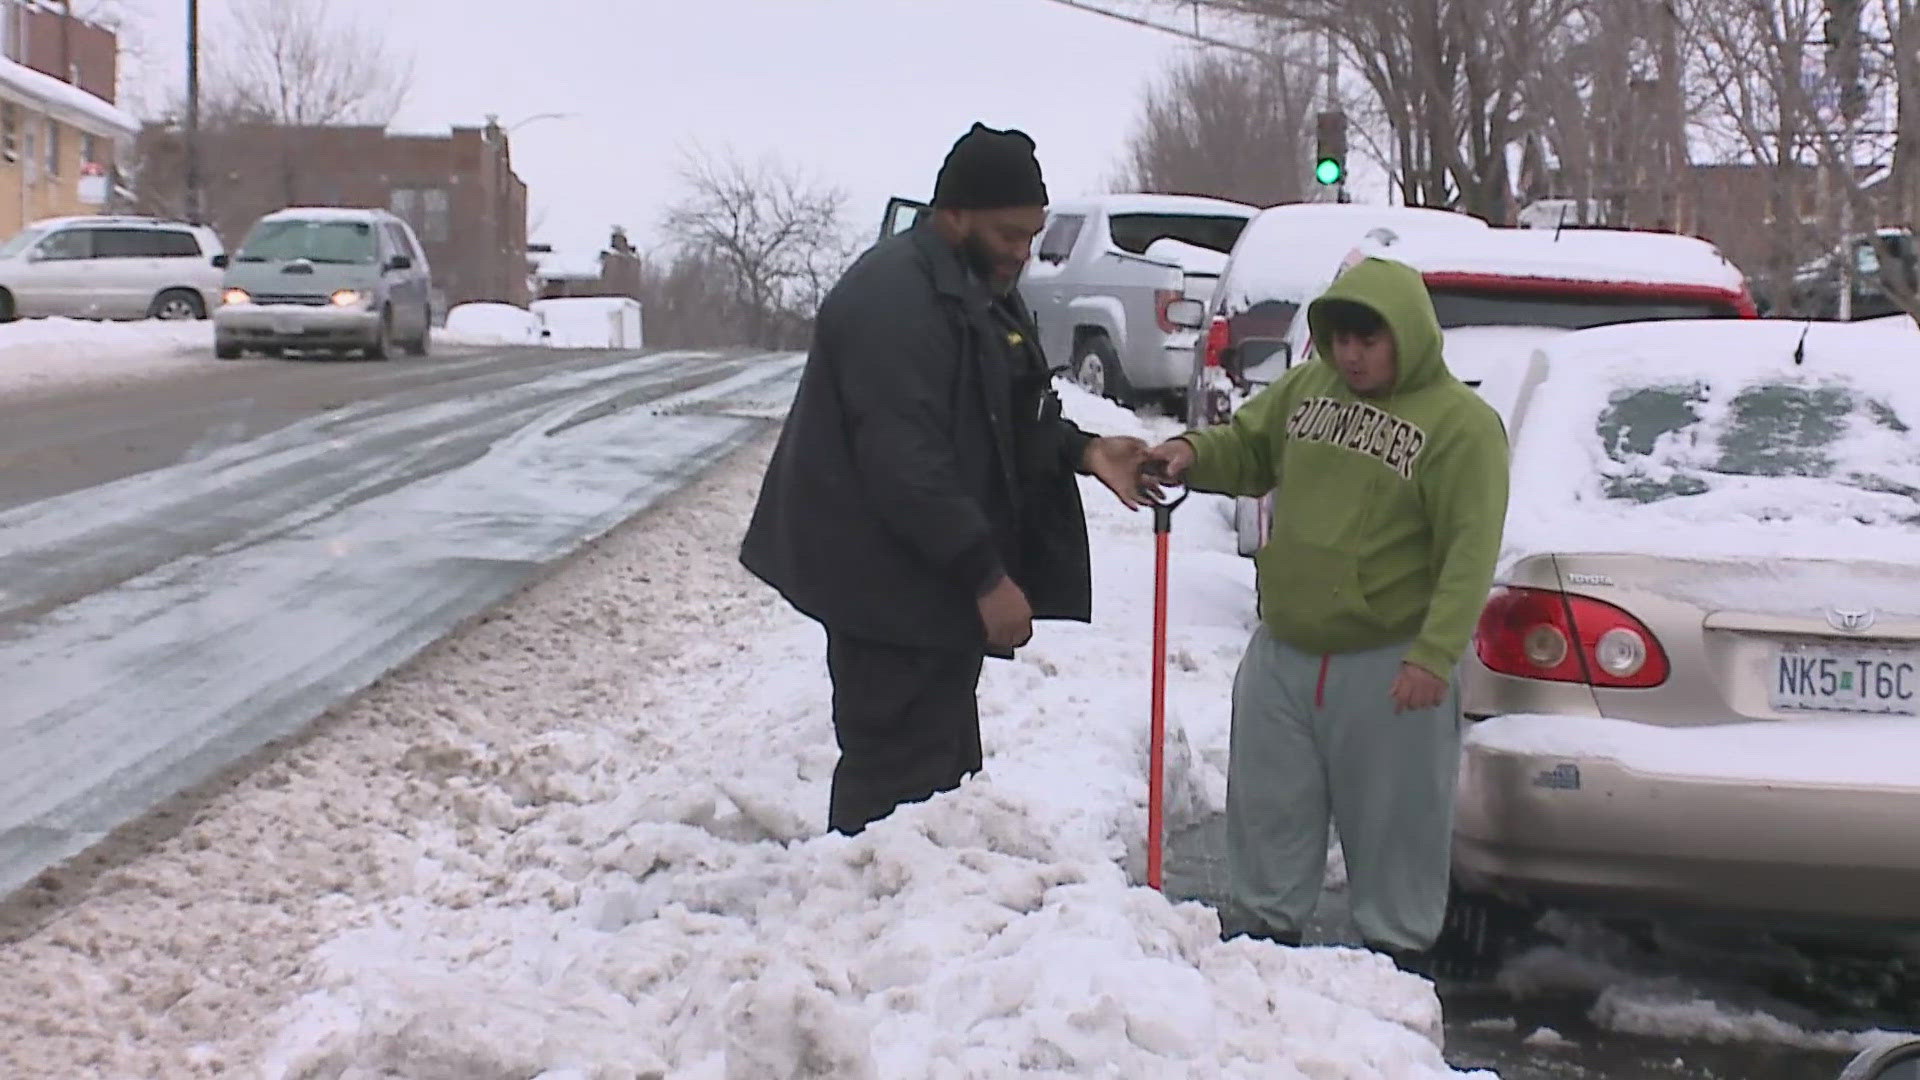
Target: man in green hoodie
(1390,482)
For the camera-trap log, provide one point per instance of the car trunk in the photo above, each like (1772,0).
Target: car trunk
(1762,640)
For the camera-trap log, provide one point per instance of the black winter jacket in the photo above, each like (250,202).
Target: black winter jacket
(898,489)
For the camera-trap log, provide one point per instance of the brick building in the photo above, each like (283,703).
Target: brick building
(458,190)
(60,132)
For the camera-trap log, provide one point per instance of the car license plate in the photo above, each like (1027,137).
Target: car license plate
(286,324)
(1858,678)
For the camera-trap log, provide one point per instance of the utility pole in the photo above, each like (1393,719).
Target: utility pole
(196,212)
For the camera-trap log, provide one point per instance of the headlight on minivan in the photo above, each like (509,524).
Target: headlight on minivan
(349,298)
(236,296)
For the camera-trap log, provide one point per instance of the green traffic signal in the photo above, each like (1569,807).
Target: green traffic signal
(1328,171)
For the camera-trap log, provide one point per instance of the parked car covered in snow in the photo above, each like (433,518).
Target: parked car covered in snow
(1697,683)
(1499,295)
(1103,274)
(110,268)
(1886,268)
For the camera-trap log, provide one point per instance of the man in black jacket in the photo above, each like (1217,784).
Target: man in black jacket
(921,503)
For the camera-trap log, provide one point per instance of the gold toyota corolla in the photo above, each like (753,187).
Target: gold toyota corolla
(1697,683)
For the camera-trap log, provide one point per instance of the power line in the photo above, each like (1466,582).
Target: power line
(1191,35)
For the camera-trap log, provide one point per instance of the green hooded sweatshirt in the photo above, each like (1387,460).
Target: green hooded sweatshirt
(1388,509)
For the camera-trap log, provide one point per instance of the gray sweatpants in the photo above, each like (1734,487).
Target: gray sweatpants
(1313,735)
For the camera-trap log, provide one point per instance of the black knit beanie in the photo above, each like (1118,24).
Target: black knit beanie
(990,170)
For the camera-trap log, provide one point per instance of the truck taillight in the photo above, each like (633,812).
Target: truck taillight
(1162,298)
(1216,341)
(1541,634)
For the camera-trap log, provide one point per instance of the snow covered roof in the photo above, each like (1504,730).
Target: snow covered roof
(1598,255)
(567,265)
(1157,204)
(1667,438)
(65,102)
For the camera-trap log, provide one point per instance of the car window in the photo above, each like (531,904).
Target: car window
(1666,440)
(397,242)
(286,239)
(1057,243)
(1490,307)
(67,245)
(125,244)
(1137,232)
(176,244)
(20,242)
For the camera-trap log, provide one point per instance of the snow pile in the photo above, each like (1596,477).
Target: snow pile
(1191,258)
(1706,438)
(491,324)
(42,355)
(652,895)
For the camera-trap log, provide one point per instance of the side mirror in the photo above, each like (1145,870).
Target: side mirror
(222,261)
(1187,314)
(400,262)
(1898,1061)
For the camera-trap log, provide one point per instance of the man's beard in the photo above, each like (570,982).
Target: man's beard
(983,264)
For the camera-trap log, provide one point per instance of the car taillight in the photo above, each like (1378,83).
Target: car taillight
(1216,340)
(1162,298)
(1556,637)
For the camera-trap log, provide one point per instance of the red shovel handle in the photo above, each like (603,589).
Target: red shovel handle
(1156,754)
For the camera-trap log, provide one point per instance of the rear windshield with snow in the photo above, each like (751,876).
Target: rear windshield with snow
(1467,307)
(1812,446)
(1137,232)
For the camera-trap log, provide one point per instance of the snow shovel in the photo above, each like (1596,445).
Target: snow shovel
(1163,508)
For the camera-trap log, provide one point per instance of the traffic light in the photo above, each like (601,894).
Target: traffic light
(1330,155)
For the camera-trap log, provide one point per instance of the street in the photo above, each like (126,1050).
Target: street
(157,625)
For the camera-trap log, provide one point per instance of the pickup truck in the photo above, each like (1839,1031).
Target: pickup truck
(1103,273)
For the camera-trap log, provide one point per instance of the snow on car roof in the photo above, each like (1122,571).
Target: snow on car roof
(1707,439)
(1294,251)
(1598,255)
(325,213)
(1157,204)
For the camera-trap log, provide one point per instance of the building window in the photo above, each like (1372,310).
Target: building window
(10,131)
(53,147)
(428,210)
(438,216)
(89,150)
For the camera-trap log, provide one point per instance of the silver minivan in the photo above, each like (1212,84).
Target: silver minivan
(324,279)
(100,267)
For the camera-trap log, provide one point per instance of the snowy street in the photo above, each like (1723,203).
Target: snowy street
(161,626)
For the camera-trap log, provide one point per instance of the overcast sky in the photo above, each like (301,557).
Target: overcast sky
(865,94)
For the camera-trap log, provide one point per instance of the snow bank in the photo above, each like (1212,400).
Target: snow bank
(1707,439)
(590,322)
(43,355)
(491,324)
(657,898)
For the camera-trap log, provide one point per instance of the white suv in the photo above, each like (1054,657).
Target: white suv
(110,268)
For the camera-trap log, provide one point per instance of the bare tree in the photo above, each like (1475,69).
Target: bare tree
(1231,126)
(302,63)
(779,235)
(1449,77)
